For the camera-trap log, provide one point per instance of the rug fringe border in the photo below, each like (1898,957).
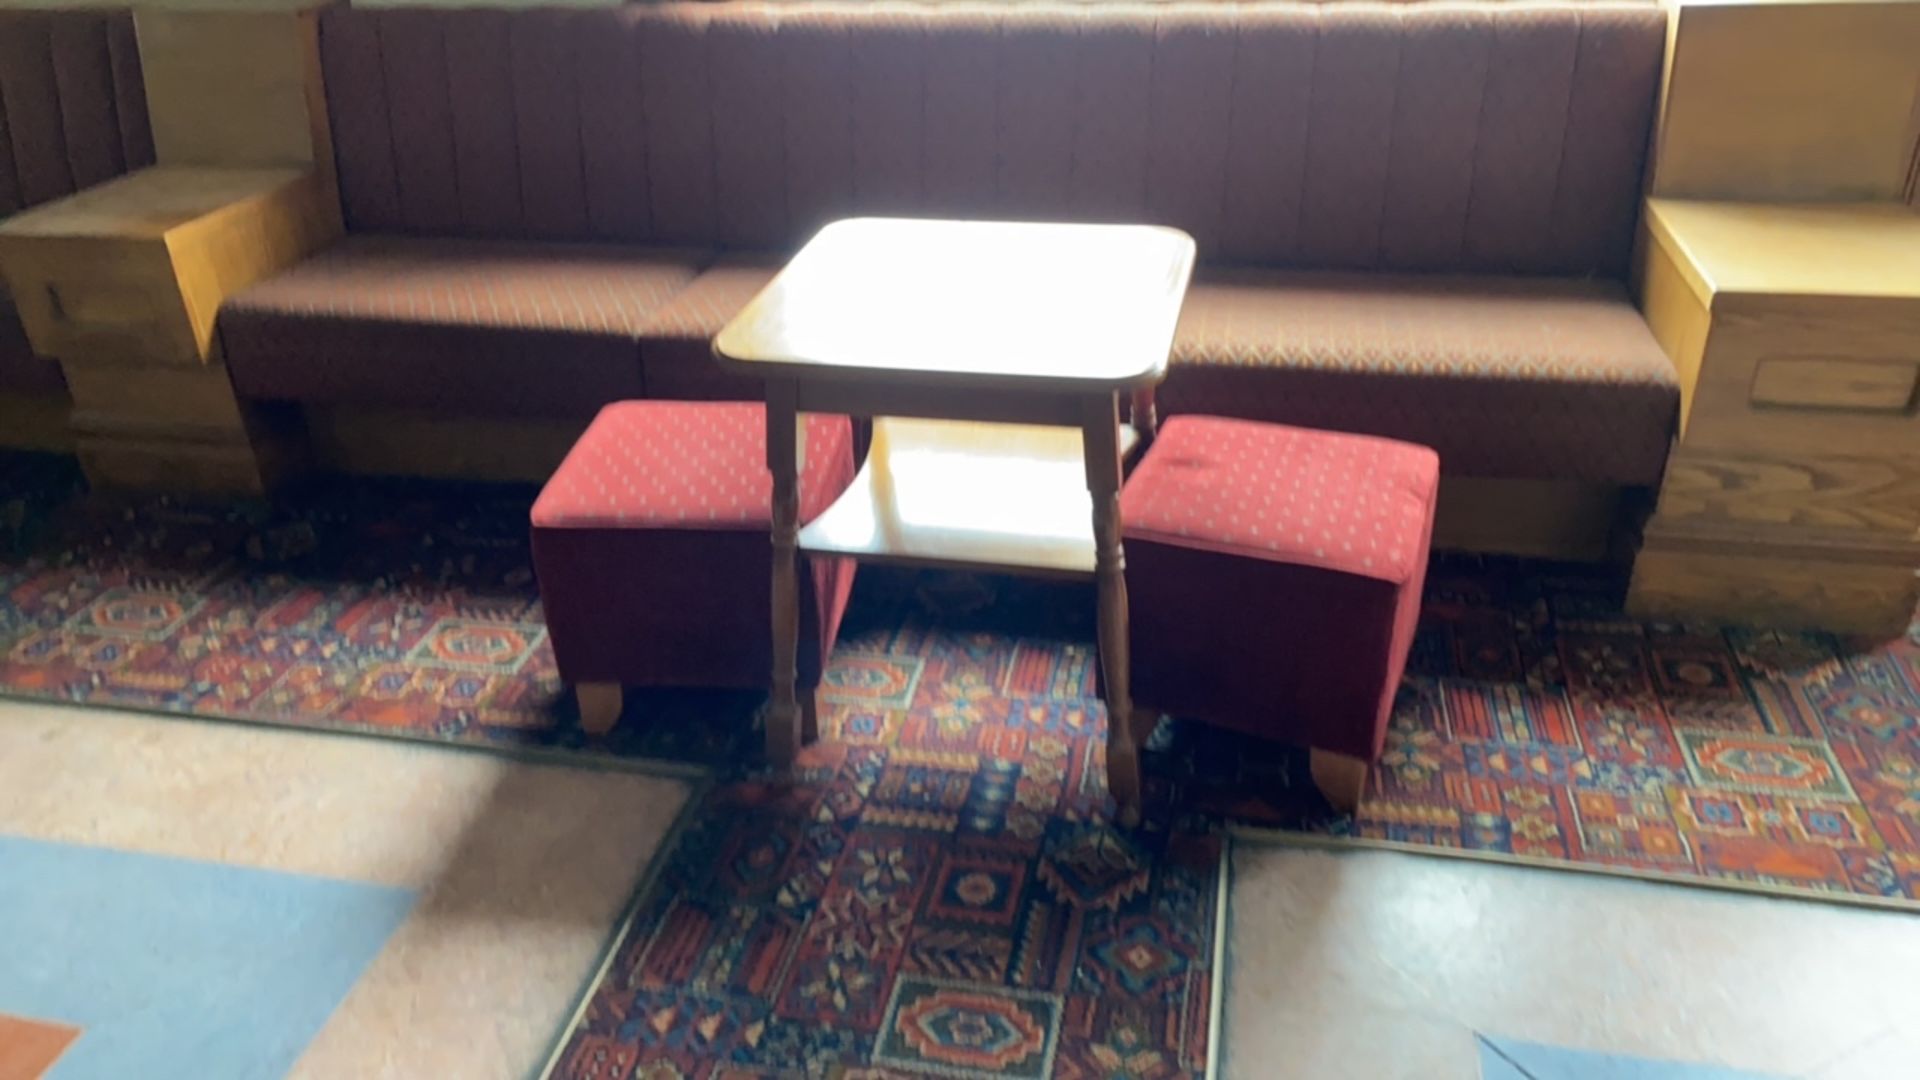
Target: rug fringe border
(642,893)
(1260,835)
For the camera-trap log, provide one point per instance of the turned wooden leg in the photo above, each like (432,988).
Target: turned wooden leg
(810,715)
(1101,433)
(599,706)
(783,459)
(1340,778)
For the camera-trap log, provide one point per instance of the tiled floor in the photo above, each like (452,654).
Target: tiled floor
(1379,965)
(214,900)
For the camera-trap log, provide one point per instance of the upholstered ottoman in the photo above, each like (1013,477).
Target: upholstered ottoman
(1274,577)
(652,543)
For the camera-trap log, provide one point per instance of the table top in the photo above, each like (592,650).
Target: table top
(981,303)
(1782,249)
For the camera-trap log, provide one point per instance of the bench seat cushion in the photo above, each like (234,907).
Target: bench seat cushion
(21,371)
(538,329)
(1505,377)
(676,344)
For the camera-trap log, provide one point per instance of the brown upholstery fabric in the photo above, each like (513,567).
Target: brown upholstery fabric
(676,344)
(1503,376)
(72,108)
(522,328)
(1470,136)
(20,370)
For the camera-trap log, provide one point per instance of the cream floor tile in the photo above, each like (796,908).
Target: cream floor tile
(522,869)
(1382,964)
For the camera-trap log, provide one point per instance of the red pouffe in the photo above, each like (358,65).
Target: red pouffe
(1274,577)
(652,543)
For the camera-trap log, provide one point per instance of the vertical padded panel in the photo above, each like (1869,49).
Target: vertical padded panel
(1522,128)
(1616,76)
(673,82)
(1436,117)
(1109,179)
(1267,134)
(10,200)
(546,114)
(1188,119)
(960,134)
(749,137)
(1349,137)
(129,93)
(817,87)
(413,66)
(28,85)
(83,76)
(1036,111)
(613,127)
(357,112)
(486,143)
(889,63)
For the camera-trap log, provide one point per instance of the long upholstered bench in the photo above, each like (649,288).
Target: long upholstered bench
(1414,219)
(72,114)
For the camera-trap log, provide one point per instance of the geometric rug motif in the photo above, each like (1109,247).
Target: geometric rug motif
(951,827)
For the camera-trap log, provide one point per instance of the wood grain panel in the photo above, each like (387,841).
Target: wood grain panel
(1790,101)
(1876,600)
(1835,384)
(35,422)
(234,87)
(184,400)
(1822,492)
(1676,312)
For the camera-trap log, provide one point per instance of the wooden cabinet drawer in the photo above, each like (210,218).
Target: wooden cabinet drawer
(1820,375)
(88,300)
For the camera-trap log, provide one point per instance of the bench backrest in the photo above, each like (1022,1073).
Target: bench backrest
(73,109)
(1481,136)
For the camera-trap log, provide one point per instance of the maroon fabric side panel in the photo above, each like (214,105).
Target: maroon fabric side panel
(83,76)
(889,90)
(10,200)
(1443,76)
(959,135)
(749,128)
(1200,651)
(413,68)
(1609,121)
(1521,134)
(817,87)
(129,93)
(30,88)
(1036,112)
(1114,98)
(613,127)
(546,99)
(1189,119)
(1273,73)
(486,144)
(1349,139)
(357,112)
(673,78)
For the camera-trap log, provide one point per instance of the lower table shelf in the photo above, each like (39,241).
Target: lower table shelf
(967,495)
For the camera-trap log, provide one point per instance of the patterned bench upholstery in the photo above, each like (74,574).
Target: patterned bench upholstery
(1477,140)
(73,113)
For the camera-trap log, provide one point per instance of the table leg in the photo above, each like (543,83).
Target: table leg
(1145,414)
(1100,430)
(784,436)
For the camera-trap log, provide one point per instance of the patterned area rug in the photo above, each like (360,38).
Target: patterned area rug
(942,892)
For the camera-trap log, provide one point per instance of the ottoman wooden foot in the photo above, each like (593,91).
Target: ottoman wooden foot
(599,706)
(1340,778)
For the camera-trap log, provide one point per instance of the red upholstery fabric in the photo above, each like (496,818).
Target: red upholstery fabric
(1474,136)
(1274,577)
(549,329)
(1515,377)
(20,370)
(676,344)
(652,549)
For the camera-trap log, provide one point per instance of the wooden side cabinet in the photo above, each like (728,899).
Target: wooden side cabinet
(1793,493)
(121,284)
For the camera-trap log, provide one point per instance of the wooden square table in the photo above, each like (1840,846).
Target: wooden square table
(992,355)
